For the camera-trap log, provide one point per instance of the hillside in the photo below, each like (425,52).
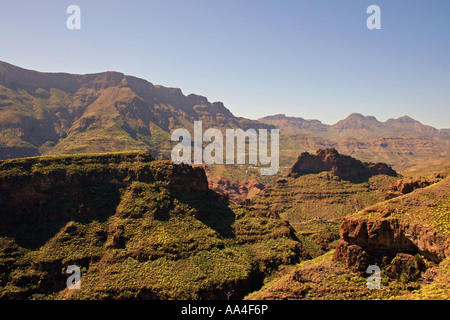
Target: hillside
(137,227)
(59,113)
(85,180)
(408,237)
(314,200)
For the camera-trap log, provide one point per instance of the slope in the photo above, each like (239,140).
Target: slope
(314,202)
(58,113)
(407,238)
(136,227)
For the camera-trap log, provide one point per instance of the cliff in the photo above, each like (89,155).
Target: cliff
(407,237)
(138,228)
(390,233)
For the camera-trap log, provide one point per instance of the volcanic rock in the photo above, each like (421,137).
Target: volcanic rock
(343,166)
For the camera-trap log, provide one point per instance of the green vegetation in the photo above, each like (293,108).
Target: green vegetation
(426,206)
(141,228)
(325,279)
(403,275)
(314,203)
(138,228)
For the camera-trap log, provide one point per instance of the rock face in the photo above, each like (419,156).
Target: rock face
(75,188)
(398,235)
(393,235)
(138,228)
(405,186)
(237,191)
(343,166)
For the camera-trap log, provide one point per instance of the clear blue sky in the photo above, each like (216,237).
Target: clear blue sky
(312,59)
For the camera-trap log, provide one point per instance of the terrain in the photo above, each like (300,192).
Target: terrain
(141,228)
(138,228)
(397,142)
(313,197)
(59,113)
(85,180)
(406,237)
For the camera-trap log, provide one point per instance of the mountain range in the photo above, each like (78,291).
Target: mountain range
(355,125)
(141,227)
(61,113)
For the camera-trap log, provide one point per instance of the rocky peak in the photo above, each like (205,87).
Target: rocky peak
(406,119)
(339,165)
(280,116)
(357,121)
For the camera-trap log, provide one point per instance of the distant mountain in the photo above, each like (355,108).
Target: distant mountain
(54,113)
(295,125)
(401,142)
(354,126)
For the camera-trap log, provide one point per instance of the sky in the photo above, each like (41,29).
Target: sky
(304,58)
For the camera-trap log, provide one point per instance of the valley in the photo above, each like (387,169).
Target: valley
(86,179)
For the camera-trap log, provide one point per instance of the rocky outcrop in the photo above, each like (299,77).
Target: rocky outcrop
(397,234)
(343,166)
(392,234)
(408,185)
(130,221)
(237,191)
(50,191)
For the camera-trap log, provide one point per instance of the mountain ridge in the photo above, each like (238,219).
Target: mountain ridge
(355,121)
(62,113)
(54,113)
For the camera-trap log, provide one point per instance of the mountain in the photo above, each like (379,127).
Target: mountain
(363,125)
(398,142)
(407,238)
(296,125)
(354,126)
(137,228)
(321,188)
(55,113)
(60,113)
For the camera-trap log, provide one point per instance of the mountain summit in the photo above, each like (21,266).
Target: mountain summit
(342,166)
